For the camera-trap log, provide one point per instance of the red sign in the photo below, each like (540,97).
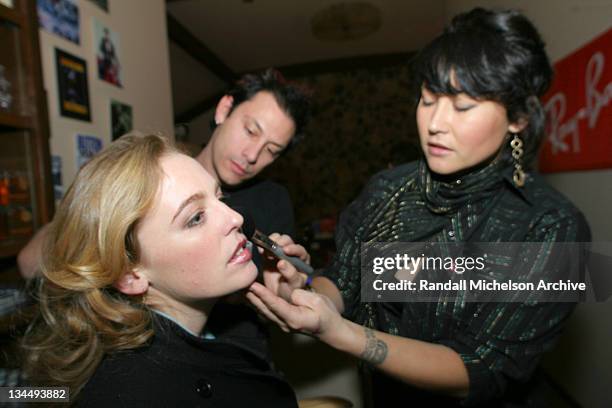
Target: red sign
(578,110)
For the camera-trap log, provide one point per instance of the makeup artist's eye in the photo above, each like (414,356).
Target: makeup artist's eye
(463,102)
(427,99)
(463,107)
(196,220)
(426,102)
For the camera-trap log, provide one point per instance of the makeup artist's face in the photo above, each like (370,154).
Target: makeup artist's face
(190,243)
(458,132)
(249,138)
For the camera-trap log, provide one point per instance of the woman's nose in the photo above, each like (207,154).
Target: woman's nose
(438,122)
(233,218)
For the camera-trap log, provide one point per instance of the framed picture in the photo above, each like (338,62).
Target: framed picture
(56,176)
(72,86)
(107,54)
(103,4)
(121,119)
(86,148)
(60,17)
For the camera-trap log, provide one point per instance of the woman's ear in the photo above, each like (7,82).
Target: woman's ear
(223,109)
(132,282)
(518,126)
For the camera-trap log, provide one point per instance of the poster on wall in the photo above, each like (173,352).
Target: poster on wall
(103,4)
(60,17)
(121,119)
(56,176)
(72,86)
(578,110)
(107,54)
(86,148)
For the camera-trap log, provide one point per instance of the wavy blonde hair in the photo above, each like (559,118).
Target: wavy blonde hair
(91,243)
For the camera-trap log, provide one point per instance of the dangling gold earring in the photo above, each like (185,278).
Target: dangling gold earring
(517,153)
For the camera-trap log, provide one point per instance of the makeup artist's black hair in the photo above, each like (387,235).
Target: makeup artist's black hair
(491,55)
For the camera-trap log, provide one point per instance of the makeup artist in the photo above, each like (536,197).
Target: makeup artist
(480,122)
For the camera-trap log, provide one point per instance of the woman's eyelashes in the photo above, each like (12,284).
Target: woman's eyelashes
(427,98)
(459,106)
(463,107)
(426,102)
(195,220)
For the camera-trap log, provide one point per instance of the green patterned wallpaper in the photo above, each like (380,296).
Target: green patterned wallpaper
(362,120)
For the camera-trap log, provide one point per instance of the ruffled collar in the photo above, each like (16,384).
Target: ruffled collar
(444,195)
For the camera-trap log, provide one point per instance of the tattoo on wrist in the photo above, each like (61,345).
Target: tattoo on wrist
(375,349)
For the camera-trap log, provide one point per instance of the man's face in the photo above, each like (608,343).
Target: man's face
(248,139)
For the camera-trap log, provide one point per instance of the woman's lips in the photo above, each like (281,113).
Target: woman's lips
(242,254)
(435,149)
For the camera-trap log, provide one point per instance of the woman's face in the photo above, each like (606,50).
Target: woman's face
(458,132)
(191,248)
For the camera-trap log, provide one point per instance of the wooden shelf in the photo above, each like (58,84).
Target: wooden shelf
(15,121)
(24,131)
(13,246)
(12,15)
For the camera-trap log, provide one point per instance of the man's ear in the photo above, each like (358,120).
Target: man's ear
(132,282)
(223,109)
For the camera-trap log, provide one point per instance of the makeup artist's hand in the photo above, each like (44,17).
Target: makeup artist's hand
(307,312)
(279,276)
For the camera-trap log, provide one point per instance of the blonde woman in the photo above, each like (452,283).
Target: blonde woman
(137,255)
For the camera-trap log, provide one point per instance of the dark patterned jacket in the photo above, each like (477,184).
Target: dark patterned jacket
(500,343)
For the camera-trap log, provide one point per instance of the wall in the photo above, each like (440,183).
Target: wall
(581,361)
(362,121)
(141,26)
(199,128)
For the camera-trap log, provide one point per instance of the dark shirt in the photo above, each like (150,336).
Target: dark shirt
(269,206)
(178,369)
(499,343)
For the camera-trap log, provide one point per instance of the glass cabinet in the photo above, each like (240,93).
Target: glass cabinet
(25,179)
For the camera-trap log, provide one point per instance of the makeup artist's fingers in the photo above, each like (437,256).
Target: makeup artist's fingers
(289,247)
(297,250)
(263,309)
(272,280)
(299,318)
(278,238)
(282,240)
(294,278)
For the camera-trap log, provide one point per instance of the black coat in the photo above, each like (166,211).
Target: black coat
(179,369)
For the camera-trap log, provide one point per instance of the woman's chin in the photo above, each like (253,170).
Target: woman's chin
(443,168)
(250,274)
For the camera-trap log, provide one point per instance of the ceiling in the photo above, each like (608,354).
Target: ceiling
(213,41)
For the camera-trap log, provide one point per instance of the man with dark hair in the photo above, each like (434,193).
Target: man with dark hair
(254,123)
